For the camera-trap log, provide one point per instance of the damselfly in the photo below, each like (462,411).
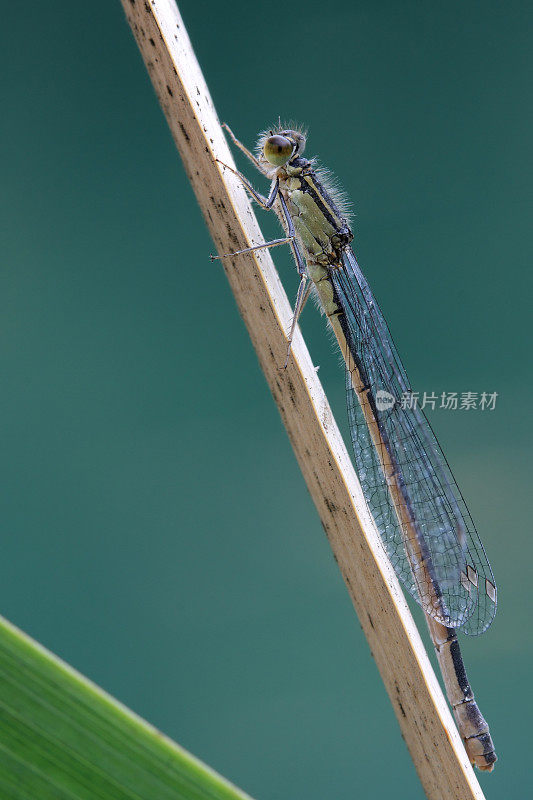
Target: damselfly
(417,506)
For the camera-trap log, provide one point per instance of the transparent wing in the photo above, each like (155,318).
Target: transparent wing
(451,549)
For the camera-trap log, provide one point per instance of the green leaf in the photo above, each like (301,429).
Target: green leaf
(63,738)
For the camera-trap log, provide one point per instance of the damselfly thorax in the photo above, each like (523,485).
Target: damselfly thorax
(320,226)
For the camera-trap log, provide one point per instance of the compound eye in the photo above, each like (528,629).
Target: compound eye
(278,150)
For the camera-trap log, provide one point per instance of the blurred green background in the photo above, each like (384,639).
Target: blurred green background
(157,533)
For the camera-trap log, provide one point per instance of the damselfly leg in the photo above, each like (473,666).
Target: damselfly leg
(242,148)
(264,202)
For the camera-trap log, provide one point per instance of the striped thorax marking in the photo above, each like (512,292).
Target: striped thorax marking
(320,226)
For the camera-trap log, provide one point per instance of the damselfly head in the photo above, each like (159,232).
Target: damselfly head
(281,147)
